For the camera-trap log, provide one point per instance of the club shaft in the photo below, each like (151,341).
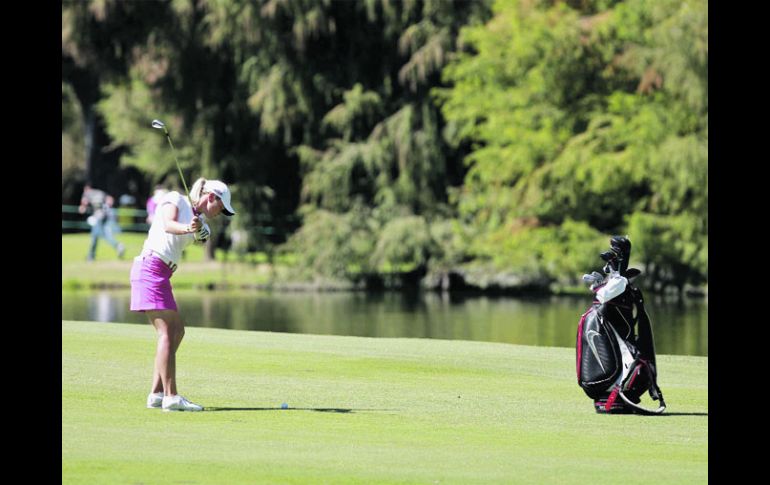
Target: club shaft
(179,167)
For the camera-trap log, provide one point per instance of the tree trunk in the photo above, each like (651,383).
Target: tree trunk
(100,165)
(88,138)
(210,247)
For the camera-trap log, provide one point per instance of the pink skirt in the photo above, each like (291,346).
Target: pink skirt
(151,285)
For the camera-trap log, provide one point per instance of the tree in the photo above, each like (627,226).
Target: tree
(381,145)
(587,113)
(96,49)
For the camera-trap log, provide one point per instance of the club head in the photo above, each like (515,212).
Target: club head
(158,124)
(632,273)
(609,256)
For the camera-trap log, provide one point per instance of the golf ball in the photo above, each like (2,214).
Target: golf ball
(284,406)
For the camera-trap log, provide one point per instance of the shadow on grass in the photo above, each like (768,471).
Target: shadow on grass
(662,415)
(652,415)
(319,410)
(684,414)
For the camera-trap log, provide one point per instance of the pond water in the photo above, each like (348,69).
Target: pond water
(680,328)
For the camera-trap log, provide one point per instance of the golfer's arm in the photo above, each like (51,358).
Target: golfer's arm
(172,226)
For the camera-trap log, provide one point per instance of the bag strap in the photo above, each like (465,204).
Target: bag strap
(643,410)
(645,341)
(636,362)
(654,390)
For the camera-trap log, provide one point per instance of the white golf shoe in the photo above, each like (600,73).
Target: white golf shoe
(179,403)
(154,400)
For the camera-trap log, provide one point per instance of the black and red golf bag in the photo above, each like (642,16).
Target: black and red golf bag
(615,346)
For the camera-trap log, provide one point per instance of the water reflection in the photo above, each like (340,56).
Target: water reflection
(679,328)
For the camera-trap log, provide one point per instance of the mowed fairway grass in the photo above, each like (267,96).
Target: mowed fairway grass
(362,410)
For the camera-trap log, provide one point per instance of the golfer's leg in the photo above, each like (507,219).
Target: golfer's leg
(157,383)
(179,335)
(169,327)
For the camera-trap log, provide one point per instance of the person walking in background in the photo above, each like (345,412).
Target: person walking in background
(176,225)
(152,202)
(102,219)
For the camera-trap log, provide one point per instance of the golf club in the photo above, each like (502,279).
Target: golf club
(162,126)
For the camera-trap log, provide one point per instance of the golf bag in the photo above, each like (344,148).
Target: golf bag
(615,346)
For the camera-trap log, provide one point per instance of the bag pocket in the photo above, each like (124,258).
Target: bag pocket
(598,356)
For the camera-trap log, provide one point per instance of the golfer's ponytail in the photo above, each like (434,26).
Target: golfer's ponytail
(197,190)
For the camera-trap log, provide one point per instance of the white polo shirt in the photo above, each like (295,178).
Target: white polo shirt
(170,246)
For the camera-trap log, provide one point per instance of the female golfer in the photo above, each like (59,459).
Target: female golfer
(175,226)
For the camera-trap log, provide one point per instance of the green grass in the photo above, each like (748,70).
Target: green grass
(194,271)
(74,248)
(411,411)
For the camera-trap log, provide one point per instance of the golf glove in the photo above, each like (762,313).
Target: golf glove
(203,233)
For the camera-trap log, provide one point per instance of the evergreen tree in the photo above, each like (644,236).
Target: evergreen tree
(589,118)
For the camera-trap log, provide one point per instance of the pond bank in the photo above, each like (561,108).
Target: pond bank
(248,276)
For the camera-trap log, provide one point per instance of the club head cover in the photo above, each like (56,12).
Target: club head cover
(622,248)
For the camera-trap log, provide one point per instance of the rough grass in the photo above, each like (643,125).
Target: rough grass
(362,410)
